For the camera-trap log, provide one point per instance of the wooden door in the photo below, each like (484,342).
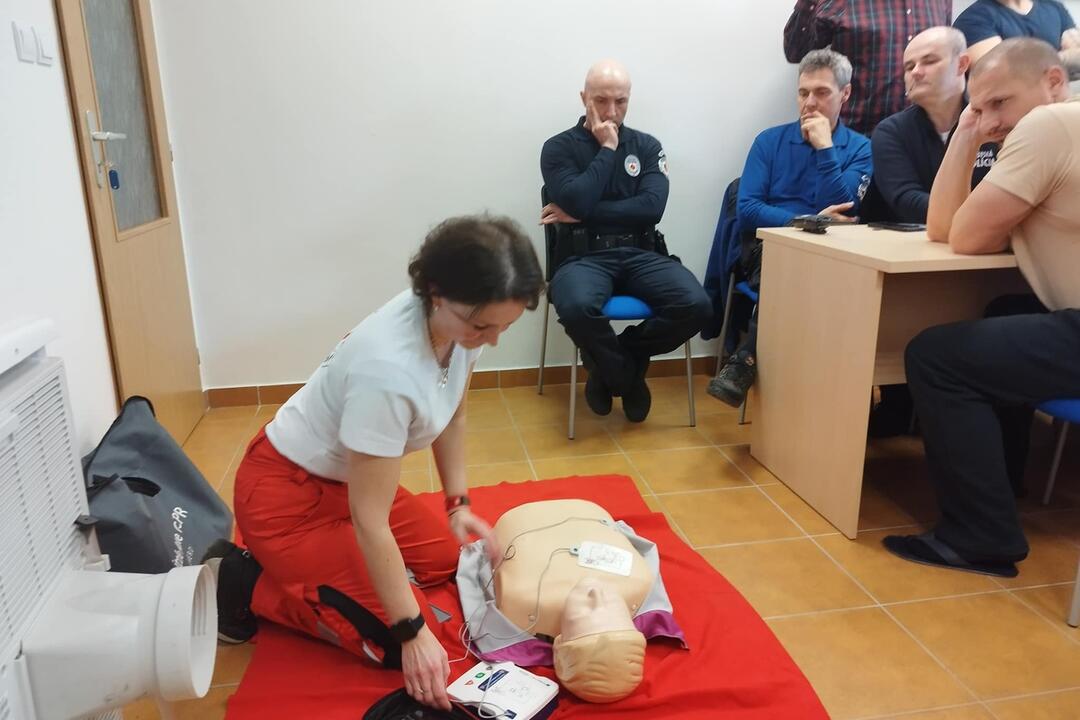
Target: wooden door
(119,120)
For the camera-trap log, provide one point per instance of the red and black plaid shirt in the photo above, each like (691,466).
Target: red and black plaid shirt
(873,35)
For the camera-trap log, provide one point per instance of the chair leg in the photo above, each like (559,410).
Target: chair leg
(1074,611)
(1057,461)
(725,323)
(742,412)
(543,350)
(690,384)
(573,393)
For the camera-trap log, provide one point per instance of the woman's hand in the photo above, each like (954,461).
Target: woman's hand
(464,524)
(426,669)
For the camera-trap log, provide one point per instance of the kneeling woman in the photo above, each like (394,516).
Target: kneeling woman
(332,537)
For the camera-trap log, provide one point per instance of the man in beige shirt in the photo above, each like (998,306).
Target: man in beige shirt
(973,381)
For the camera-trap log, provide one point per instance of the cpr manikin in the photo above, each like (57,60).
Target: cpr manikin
(574,589)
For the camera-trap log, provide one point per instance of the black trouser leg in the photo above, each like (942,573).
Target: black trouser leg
(958,375)
(678,301)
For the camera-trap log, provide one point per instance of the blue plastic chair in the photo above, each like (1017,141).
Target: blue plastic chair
(618,307)
(1068,412)
(742,288)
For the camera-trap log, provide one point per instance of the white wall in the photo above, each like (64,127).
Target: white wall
(46,258)
(315,143)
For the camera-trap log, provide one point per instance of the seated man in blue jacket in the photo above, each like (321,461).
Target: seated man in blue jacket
(609,184)
(815,165)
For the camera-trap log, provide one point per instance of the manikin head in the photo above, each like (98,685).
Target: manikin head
(935,64)
(607,91)
(824,84)
(599,655)
(1011,80)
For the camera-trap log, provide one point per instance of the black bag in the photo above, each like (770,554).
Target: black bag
(153,508)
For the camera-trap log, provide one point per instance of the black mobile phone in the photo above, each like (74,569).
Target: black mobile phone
(812,223)
(899,226)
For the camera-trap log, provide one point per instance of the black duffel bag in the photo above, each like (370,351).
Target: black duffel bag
(152,508)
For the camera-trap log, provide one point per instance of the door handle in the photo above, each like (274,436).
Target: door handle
(105,136)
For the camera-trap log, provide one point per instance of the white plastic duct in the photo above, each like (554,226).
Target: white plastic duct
(104,639)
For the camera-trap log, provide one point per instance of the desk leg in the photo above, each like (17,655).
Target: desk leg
(817,335)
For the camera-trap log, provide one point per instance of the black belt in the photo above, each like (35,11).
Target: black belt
(586,242)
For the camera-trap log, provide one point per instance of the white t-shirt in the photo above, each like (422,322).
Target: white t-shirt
(377,393)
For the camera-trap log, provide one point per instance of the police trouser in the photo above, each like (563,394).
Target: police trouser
(583,284)
(963,377)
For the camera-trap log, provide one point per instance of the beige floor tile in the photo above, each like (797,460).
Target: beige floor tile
(484,447)
(265,413)
(227,414)
(419,460)
(528,408)
(232,662)
(212,463)
(491,395)
(896,502)
(417,481)
(653,502)
(1051,559)
(590,465)
(680,470)
(666,431)
(1056,706)
(487,415)
(806,517)
(717,517)
(724,429)
(211,707)
(862,664)
(740,455)
(965,712)
(1053,603)
(891,579)
(786,577)
(550,441)
(480,475)
(994,644)
(1063,522)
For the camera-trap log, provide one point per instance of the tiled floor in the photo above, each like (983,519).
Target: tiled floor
(877,637)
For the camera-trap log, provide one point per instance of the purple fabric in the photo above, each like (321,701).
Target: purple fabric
(522,654)
(659,623)
(655,623)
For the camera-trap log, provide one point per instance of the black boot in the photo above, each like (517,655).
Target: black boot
(236,572)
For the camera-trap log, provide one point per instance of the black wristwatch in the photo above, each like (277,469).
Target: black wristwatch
(407,629)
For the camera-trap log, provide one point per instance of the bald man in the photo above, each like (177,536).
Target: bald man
(968,379)
(908,147)
(608,185)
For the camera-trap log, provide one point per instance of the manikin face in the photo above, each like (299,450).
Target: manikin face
(594,606)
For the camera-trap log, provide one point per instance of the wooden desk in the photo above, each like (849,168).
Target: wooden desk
(836,312)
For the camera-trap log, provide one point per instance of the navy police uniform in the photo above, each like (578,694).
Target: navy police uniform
(619,196)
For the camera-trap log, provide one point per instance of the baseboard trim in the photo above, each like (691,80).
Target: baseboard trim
(481,380)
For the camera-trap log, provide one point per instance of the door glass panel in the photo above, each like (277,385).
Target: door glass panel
(114,53)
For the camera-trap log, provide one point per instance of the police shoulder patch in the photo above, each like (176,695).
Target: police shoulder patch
(661,162)
(632,165)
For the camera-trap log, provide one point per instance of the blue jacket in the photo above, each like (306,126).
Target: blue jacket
(785,176)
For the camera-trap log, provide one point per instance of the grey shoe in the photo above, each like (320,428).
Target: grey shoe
(734,380)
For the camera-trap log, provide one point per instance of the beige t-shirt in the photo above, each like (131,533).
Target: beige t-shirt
(1040,164)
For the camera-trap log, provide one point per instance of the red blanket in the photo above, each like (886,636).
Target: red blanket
(735,668)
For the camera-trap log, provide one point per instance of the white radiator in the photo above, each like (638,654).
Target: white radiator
(41,495)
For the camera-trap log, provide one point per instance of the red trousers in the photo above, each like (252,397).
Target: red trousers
(298,527)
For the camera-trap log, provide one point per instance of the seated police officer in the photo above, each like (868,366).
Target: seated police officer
(608,185)
(813,165)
